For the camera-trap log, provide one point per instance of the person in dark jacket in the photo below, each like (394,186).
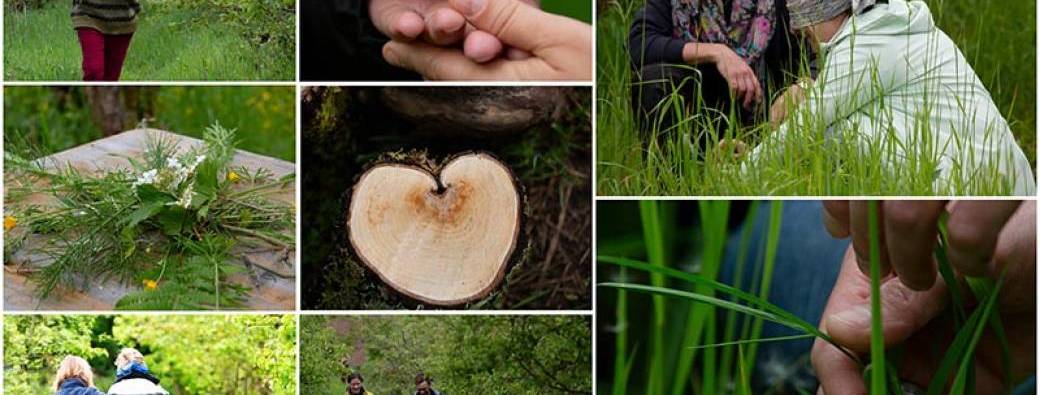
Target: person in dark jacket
(729,53)
(424,385)
(133,376)
(75,377)
(104,28)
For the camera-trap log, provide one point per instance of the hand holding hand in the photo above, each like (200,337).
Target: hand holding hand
(560,48)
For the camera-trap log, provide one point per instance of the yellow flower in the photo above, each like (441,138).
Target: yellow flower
(233,177)
(151,285)
(10,222)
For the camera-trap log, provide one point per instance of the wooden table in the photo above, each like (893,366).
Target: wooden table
(270,273)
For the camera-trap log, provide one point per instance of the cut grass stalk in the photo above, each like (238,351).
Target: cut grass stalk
(653,237)
(622,367)
(776,211)
(729,332)
(877,337)
(714,218)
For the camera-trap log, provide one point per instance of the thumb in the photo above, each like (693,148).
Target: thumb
(903,311)
(515,22)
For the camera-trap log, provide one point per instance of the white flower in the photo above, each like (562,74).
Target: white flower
(147,177)
(185,200)
(173,163)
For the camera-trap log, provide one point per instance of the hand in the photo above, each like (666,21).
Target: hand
(560,47)
(436,23)
(979,233)
(742,80)
(914,320)
(791,98)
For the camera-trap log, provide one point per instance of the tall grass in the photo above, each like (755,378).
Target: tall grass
(48,120)
(706,355)
(168,46)
(812,164)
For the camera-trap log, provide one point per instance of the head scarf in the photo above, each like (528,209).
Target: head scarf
(747,31)
(805,13)
(130,368)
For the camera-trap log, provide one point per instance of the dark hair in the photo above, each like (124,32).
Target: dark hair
(355,375)
(423,378)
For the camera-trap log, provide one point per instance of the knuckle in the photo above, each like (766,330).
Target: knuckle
(967,238)
(904,215)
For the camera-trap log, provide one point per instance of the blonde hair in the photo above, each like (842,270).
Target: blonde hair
(128,355)
(73,367)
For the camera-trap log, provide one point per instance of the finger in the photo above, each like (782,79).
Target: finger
(514,22)
(912,228)
(836,218)
(440,63)
(445,26)
(517,54)
(973,230)
(481,46)
(903,311)
(397,21)
(1016,253)
(838,374)
(860,229)
(749,94)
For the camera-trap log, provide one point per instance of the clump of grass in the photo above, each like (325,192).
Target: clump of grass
(717,371)
(167,225)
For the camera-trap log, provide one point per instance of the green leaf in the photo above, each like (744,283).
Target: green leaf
(143,213)
(149,194)
(173,220)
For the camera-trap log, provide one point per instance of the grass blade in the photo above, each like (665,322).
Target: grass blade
(776,210)
(877,338)
(653,237)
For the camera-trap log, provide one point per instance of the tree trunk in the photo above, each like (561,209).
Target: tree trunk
(116,109)
(441,235)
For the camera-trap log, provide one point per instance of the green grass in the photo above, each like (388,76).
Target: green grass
(41,119)
(811,167)
(700,342)
(174,45)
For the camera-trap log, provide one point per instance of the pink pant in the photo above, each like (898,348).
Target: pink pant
(103,54)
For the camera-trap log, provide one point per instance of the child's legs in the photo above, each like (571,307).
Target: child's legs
(92,44)
(116,46)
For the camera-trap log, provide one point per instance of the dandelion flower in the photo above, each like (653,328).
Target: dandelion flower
(233,177)
(150,284)
(10,222)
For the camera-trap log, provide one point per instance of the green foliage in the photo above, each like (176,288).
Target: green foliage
(40,121)
(170,223)
(226,40)
(211,354)
(35,345)
(464,354)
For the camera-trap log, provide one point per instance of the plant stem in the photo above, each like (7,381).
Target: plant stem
(877,339)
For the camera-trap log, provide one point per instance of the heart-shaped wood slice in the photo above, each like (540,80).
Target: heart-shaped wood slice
(444,239)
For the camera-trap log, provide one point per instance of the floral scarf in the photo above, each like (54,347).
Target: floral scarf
(747,31)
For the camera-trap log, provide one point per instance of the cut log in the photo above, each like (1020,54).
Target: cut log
(441,237)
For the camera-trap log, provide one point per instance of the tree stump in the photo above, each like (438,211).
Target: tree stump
(443,235)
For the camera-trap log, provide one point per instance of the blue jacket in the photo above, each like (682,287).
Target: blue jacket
(75,386)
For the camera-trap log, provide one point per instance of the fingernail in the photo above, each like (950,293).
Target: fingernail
(854,317)
(471,7)
(389,54)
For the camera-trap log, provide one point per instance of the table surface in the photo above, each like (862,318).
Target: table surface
(271,273)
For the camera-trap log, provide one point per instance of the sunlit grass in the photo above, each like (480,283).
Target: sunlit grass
(41,45)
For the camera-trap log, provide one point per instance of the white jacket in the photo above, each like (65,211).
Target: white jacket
(136,386)
(889,74)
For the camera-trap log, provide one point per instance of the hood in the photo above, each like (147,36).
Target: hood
(75,386)
(897,18)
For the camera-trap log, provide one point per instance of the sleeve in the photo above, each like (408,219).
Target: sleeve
(650,39)
(858,72)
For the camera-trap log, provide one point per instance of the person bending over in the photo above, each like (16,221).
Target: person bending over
(893,82)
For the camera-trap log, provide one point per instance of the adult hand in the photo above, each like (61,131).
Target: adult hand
(742,80)
(915,320)
(436,23)
(560,47)
(978,232)
(790,99)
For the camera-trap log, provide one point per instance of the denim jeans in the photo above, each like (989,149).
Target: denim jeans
(806,266)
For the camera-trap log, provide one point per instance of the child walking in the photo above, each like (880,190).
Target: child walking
(105,28)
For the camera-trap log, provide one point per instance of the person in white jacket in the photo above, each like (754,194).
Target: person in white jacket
(890,79)
(133,377)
